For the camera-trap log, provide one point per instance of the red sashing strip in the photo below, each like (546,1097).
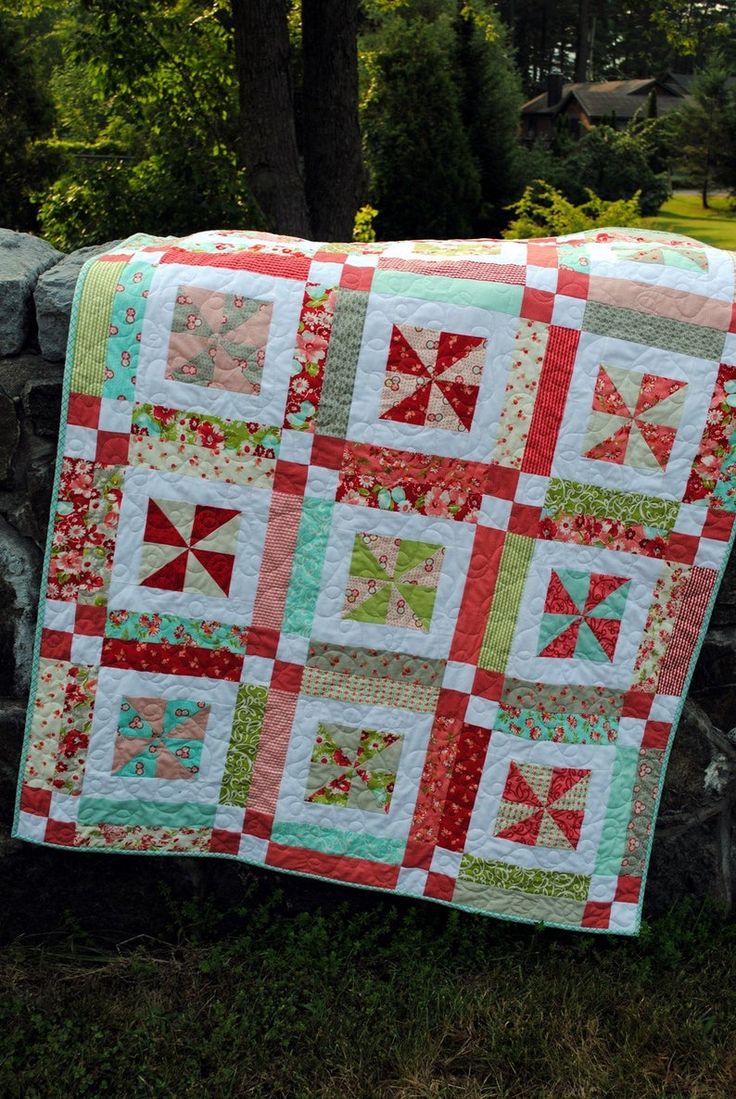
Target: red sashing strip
(554,381)
(675,666)
(278,557)
(438,765)
(262,263)
(340,867)
(511,273)
(478,594)
(463,786)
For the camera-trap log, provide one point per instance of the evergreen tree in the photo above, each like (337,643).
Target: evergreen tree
(424,179)
(491,100)
(439,117)
(617,163)
(26,114)
(706,129)
(610,40)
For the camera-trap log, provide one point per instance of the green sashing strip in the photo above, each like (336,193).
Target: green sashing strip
(499,297)
(341,362)
(376,663)
(501,624)
(580,698)
(93,327)
(653,331)
(309,557)
(547,883)
(250,710)
(575,498)
(612,844)
(145,814)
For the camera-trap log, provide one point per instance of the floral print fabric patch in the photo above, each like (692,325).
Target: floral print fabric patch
(386,564)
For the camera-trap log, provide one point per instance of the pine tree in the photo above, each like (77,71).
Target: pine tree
(705,128)
(439,118)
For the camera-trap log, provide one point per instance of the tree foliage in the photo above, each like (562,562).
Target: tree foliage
(618,40)
(142,116)
(615,164)
(696,29)
(160,118)
(542,211)
(26,115)
(705,128)
(152,146)
(439,115)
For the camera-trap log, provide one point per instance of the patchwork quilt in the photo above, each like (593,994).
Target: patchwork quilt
(385,563)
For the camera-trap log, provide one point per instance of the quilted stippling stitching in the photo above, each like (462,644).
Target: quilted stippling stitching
(386,563)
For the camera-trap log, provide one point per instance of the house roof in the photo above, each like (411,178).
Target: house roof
(681,80)
(606,97)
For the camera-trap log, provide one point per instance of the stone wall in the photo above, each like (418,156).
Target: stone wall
(693,853)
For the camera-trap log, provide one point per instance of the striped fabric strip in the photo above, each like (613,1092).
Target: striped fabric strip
(95,300)
(370,691)
(554,382)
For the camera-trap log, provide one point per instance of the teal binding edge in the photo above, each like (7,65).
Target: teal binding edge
(508,918)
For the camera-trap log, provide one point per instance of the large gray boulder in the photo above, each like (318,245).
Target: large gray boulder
(54,294)
(22,259)
(9,434)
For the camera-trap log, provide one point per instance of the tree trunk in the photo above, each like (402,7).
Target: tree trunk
(268,148)
(543,65)
(582,43)
(332,147)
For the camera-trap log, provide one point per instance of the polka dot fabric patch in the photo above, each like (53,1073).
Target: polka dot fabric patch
(386,564)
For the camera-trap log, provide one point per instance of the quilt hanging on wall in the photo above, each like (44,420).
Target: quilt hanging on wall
(385,563)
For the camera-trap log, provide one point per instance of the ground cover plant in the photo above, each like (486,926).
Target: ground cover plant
(387,1002)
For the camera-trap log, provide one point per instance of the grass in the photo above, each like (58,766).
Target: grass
(684,213)
(393,1003)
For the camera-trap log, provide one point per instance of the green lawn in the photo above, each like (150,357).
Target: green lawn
(397,1002)
(685,214)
